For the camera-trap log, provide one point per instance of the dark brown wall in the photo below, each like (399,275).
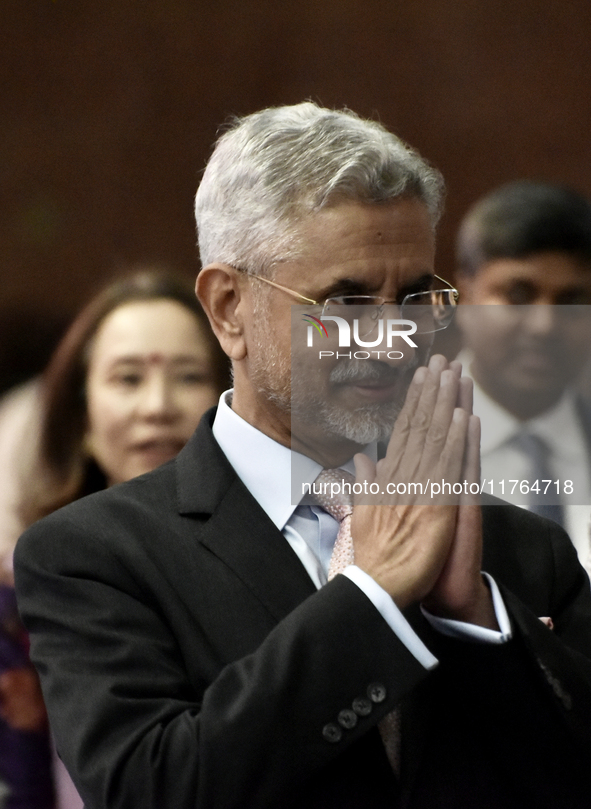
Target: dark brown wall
(109,109)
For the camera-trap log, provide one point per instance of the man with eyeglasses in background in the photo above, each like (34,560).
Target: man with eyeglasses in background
(204,641)
(524,271)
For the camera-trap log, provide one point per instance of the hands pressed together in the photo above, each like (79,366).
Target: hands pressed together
(429,553)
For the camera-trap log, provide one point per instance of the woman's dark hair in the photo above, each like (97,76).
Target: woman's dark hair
(65,471)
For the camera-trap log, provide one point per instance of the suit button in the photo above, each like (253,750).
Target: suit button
(347,718)
(332,733)
(376,692)
(362,706)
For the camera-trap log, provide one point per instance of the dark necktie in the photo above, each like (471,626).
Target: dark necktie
(537,452)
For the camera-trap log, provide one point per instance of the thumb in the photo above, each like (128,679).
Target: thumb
(365,468)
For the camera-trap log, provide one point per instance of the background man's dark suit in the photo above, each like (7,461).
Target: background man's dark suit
(198,666)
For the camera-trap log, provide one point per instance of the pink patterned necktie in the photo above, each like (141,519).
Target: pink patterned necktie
(340,506)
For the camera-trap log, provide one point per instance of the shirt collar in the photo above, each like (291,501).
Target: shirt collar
(559,427)
(273,473)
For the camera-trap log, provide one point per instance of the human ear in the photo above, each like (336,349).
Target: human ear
(219,291)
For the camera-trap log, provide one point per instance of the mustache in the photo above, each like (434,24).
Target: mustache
(359,371)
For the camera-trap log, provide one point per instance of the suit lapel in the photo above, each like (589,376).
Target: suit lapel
(235,528)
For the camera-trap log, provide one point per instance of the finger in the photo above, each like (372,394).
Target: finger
(411,401)
(451,460)
(441,420)
(423,390)
(406,451)
(471,471)
(466,394)
(422,416)
(456,367)
(438,363)
(365,474)
(402,427)
(365,469)
(441,362)
(427,396)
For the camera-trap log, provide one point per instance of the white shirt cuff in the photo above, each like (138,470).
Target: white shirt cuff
(472,632)
(392,615)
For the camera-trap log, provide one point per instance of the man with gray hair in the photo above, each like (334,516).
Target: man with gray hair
(205,641)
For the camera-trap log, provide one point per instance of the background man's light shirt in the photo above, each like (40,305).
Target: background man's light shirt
(561,429)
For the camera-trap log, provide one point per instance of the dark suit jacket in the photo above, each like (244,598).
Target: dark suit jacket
(188,661)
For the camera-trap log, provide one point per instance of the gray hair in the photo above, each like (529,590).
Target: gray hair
(274,168)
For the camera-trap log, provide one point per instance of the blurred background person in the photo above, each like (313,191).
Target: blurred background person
(25,765)
(19,424)
(122,394)
(124,390)
(527,245)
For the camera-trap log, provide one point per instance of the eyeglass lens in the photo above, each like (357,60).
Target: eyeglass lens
(431,311)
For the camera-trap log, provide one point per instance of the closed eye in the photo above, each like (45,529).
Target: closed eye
(345,288)
(424,284)
(128,379)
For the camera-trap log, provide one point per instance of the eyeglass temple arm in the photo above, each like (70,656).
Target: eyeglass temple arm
(295,294)
(291,292)
(451,287)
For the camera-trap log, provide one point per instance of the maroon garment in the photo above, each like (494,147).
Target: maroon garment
(25,758)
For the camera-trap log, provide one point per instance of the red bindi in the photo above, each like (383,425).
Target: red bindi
(155,358)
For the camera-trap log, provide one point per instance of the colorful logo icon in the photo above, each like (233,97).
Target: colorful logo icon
(318,324)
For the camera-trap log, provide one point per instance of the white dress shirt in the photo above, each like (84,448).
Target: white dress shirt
(265,467)
(560,429)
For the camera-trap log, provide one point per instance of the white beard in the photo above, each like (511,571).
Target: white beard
(292,394)
(287,385)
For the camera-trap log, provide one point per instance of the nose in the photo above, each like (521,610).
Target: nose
(393,341)
(404,340)
(376,333)
(158,399)
(540,319)
(367,319)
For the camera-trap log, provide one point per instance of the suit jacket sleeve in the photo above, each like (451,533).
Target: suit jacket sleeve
(522,708)
(166,688)
(173,680)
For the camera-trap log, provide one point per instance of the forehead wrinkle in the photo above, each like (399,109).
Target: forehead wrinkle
(367,268)
(368,249)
